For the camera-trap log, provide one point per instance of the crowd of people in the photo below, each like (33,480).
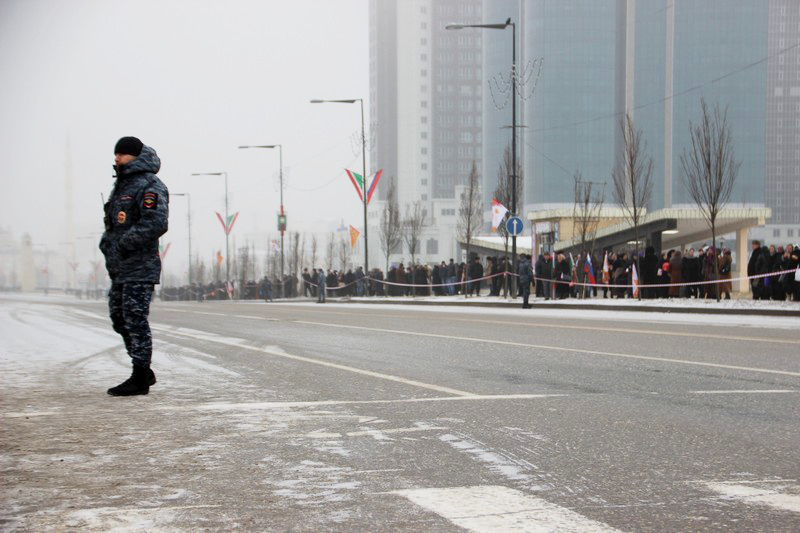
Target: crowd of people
(691,273)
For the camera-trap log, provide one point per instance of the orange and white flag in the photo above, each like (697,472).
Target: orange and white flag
(354,233)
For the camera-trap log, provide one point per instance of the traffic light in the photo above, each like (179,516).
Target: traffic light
(281,223)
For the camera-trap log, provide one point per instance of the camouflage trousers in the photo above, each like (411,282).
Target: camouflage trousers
(129,307)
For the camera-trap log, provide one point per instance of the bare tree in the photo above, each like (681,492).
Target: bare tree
(586,211)
(331,251)
(503,193)
(303,252)
(709,169)
(633,178)
(294,258)
(344,253)
(313,251)
(199,270)
(412,227)
(243,264)
(470,217)
(390,227)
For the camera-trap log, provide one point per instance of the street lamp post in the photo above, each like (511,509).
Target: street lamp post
(502,26)
(227,249)
(280,156)
(189,222)
(364,170)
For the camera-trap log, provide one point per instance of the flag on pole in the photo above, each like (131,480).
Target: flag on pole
(635,282)
(588,269)
(573,269)
(606,269)
(219,258)
(162,251)
(498,213)
(227,226)
(358,182)
(354,233)
(374,184)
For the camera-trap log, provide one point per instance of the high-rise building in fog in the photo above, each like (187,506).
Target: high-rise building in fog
(783,117)
(425,102)
(437,98)
(652,59)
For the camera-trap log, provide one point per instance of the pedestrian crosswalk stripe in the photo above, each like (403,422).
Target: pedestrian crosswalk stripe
(757,495)
(501,510)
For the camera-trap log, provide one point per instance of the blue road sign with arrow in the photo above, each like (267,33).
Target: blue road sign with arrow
(514,226)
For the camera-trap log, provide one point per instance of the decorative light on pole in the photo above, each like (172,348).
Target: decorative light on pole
(227,250)
(503,26)
(364,170)
(189,222)
(282,216)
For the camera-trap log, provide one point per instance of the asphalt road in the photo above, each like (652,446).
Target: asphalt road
(344,417)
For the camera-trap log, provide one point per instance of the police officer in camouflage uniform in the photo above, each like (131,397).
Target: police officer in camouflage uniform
(135,217)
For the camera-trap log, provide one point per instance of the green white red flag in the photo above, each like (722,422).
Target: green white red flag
(227,226)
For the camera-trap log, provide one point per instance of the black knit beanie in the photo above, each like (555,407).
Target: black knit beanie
(129,145)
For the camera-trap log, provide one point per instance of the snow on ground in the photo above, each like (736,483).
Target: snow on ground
(544,311)
(736,303)
(73,458)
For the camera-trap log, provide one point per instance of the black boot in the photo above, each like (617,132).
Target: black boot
(138,383)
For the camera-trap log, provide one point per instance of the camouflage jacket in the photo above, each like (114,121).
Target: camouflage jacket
(135,217)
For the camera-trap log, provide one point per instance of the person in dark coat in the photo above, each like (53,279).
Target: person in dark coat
(525,273)
(136,215)
(475,271)
(755,255)
(675,273)
(711,290)
(322,281)
(562,274)
(725,263)
(648,276)
(544,271)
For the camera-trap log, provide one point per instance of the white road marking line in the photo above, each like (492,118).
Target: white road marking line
(258,406)
(501,509)
(251,317)
(239,344)
(776,391)
(31,414)
(371,432)
(753,495)
(557,348)
(744,481)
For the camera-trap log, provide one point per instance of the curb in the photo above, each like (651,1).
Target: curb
(542,305)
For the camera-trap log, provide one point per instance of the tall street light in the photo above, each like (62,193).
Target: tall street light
(227,250)
(282,219)
(502,26)
(189,221)
(364,170)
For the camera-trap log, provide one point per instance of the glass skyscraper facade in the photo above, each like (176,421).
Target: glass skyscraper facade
(654,59)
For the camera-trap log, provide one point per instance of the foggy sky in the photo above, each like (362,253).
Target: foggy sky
(194,80)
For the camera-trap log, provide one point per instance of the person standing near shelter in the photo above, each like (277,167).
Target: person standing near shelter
(321,283)
(525,277)
(136,215)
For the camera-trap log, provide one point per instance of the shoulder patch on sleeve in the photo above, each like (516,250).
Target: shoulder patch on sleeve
(150,200)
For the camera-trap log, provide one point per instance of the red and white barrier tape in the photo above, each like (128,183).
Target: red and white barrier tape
(693,283)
